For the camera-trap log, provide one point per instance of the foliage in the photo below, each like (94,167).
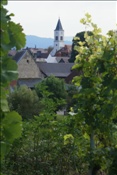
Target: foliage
(25,102)
(10,129)
(75,42)
(54,89)
(71,100)
(113,167)
(46,147)
(49,49)
(11,35)
(97,98)
(67,145)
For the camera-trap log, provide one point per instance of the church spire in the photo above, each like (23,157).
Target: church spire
(59,26)
(58,38)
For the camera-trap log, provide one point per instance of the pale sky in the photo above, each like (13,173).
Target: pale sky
(40,17)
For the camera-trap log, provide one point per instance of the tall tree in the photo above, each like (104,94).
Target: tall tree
(97,97)
(75,42)
(53,88)
(25,101)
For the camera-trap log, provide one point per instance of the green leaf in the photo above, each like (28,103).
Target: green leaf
(4,102)
(83,21)
(4,148)
(88,15)
(9,70)
(4,2)
(4,105)
(5,37)
(12,126)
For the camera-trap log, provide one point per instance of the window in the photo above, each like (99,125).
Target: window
(56,38)
(61,37)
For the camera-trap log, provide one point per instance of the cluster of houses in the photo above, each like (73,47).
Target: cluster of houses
(35,64)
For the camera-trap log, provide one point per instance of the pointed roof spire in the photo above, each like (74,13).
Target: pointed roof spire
(59,25)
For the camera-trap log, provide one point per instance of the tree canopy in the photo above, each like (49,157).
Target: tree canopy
(25,101)
(97,97)
(75,42)
(53,88)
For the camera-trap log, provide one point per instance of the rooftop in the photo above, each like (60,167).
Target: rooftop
(56,69)
(19,55)
(59,26)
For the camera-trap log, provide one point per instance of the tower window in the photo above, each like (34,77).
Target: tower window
(61,37)
(56,38)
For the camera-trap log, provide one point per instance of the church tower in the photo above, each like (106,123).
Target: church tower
(58,38)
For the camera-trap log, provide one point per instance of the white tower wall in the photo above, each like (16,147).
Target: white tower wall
(58,44)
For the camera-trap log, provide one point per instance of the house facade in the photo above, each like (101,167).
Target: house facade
(28,72)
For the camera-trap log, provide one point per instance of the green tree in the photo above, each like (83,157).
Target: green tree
(49,49)
(75,42)
(11,35)
(71,100)
(54,89)
(97,97)
(46,147)
(25,101)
